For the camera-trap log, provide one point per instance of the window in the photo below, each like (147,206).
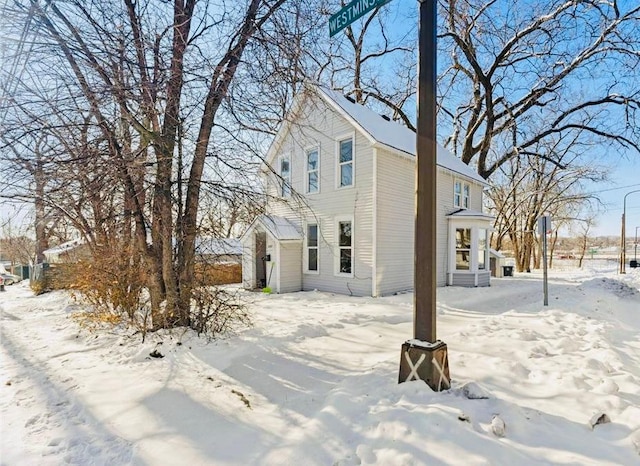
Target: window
(312,248)
(313,167)
(345,245)
(461,194)
(345,162)
(463,248)
(285,175)
(482,248)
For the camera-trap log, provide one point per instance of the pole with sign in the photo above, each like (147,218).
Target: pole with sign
(425,358)
(544,227)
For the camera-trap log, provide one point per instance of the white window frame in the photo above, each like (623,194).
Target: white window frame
(469,250)
(338,248)
(282,181)
(484,251)
(466,195)
(307,247)
(308,172)
(339,165)
(461,199)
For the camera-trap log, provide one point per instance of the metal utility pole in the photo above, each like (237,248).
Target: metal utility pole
(635,248)
(544,226)
(425,358)
(623,243)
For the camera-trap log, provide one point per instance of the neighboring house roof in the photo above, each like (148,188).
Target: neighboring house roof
(387,133)
(470,214)
(64,247)
(497,254)
(279,227)
(219,246)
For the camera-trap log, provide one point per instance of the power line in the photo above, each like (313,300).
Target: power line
(614,189)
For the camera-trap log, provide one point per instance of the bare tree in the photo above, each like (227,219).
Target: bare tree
(519,74)
(528,188)
(147,93)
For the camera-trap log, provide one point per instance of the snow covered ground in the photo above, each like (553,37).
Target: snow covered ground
(313,382)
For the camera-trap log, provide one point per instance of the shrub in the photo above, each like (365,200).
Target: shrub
(217,311)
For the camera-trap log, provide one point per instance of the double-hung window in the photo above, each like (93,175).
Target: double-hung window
(463,248)
(345,162)
(482,249)
(312,248)
(345,247)
(461,194)
(285,176)
(313,170)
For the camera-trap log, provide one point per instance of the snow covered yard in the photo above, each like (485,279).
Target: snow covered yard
(314,381)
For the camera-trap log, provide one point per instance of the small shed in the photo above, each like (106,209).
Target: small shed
(219,250)
(272,255)
(496,263)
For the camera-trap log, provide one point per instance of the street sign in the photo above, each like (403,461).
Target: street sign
(544,225)
(351,12)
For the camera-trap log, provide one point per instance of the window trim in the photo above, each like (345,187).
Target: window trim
(307,247)
(468,250)
(461,199)
(281,179)
(338,165)
(307,171)
(337,221)
(485,250)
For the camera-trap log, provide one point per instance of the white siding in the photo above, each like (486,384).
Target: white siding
(396,220)
(445,206)
(248,263)
(290,266)
(318,125)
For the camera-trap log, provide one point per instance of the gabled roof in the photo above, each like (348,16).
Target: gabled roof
(65,247)
(378,130)
(279,227)
(391,133)
(219,246)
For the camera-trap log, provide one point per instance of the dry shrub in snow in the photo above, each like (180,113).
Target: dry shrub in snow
(114,285)
(112,282)
(217,311)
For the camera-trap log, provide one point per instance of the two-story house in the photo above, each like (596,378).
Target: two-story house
(340,181)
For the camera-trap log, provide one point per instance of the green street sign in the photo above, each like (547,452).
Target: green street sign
(351,12)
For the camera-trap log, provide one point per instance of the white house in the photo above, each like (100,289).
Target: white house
(340,215)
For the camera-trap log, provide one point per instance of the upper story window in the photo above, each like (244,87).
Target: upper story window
(285,176)
(345,162)
(313,170)
(461,194)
